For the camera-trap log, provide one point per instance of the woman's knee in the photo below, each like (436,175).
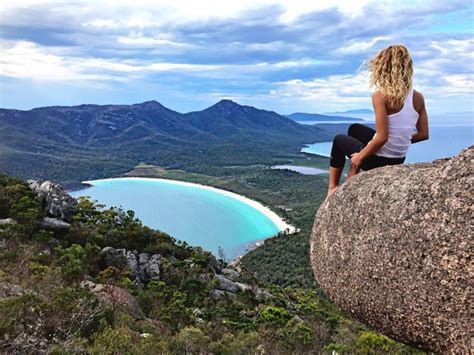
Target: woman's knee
(339,138)
(351,131)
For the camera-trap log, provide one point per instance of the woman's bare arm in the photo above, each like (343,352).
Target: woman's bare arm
(381,126)
(422,129)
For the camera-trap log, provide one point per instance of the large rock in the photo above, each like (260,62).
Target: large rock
(152,267)
(55,200)
(393,246)
(143,267)
(231,274)
(55,224)
(115,257)
(224,284)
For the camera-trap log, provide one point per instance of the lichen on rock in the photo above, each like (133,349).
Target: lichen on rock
(393,247)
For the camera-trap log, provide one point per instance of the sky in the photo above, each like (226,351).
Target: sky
(286,56)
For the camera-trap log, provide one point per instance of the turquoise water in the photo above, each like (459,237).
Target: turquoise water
(198,216)
(444,142)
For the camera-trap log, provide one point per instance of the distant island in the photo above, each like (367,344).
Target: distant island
(302,116)
(362,111)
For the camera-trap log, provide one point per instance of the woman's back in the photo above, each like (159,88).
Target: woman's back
(401,126)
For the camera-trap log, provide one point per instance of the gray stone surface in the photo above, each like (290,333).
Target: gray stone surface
(220,294)
(231,274)
(55,224)
(393,246)
(55,200)
(243,287)
(225,284)
(143,259)
(262,294)
(152,268)
(143,267)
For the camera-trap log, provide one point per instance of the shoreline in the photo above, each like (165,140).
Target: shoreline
(265,210)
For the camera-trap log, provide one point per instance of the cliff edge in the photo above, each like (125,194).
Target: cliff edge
(393,247)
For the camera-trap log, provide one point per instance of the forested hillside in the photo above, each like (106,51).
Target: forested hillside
(70,144)
(78,279)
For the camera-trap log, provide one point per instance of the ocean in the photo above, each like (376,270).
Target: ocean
(444,142)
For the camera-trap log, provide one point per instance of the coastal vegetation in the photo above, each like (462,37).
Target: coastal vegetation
(61,294)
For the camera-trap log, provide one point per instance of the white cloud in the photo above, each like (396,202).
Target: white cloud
(361,46)
(147,42)
(333,91)
(460,84)
(254,45)
(297,8)
(31,61)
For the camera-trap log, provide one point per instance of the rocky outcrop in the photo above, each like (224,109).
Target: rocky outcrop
(55,224)
(56,202)
(152,267)
(142,266)
(224,284)
(243,287)
(393,246)
(217,295)
(231,274)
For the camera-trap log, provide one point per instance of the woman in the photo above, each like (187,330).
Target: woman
(400,119)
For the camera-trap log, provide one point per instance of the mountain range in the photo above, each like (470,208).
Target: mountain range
(96,141)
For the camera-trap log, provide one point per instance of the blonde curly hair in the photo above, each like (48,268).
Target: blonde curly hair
(391,72)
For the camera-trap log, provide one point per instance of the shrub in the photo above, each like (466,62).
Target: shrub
(113,341)
(374,343)
(72,262)
(276,316)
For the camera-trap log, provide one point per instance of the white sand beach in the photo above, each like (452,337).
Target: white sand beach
(277,220)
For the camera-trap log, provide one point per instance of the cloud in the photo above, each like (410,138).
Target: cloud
(296,51)
(329,92)
(28,60)
(361,46)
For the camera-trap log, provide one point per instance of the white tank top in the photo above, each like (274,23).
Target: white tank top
(401,126)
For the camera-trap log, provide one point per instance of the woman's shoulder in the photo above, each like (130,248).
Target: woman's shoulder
(418,100)
(417,94)
(378,96)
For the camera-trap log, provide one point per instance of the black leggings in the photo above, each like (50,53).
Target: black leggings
(358,136)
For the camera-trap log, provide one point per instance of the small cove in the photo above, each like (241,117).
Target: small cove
(200,215)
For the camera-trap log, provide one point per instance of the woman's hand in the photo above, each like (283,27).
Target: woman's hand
(356,160)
